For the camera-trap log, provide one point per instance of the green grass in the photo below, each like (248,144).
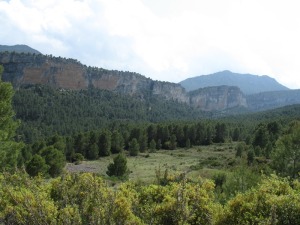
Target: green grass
(198,161)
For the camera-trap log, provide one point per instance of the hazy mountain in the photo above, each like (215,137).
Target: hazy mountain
(18,49)
(249,84)
(271,100)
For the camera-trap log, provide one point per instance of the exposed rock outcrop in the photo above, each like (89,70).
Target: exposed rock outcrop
(217,98)
(23,69)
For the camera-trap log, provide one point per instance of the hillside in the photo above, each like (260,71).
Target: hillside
(249,84)
(271,100)
(18,49)
(23,69)
(69,74)
(45,111)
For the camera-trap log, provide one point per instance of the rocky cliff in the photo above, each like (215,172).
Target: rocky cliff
(217,98)
(24,68)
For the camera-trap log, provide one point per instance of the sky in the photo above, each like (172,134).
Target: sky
(167,40)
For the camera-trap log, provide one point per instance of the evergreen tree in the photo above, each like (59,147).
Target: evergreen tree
(70,152)
(158,144)
(200,135)
(55,159)
(261,136)
(9,149)
(191,134)
(257,150)
(209,136)
(119,167)
(117,142)
(133,147)
(165,134)
(188,144)
(239,149)
(105,143)
(25,156)
(152,132)
(286,156)
(92,152)
(152,146)
(58,142)
(173,142)
(220,130)
(37,165)
(79,144)
(143,141)
(236,134)
(181,141)
(250,157)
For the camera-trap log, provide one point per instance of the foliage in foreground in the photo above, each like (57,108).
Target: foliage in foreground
(87,199)
(9,149)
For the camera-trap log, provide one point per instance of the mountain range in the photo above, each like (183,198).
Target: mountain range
(220,91)
(18,49)
(248,83)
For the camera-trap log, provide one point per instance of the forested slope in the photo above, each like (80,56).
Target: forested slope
(45,111)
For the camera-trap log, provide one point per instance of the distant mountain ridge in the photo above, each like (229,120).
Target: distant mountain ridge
(23,69)
(26,69)
(18,49)
(248,83)
(271,100)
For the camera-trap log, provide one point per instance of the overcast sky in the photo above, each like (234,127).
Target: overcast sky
(168,40)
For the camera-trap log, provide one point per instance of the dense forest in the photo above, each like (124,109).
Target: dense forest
(46,111)
(54,127)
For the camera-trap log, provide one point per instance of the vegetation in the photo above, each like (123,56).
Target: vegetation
(45,111)
(217,171)
(87,199)
(119,167)
(9,149)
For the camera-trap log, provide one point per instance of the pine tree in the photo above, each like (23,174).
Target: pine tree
(152,146)
(117,142)
(105,144)
(119,167)
(188,144)
(55,159)
(143,141)
(134,147)
(173,142)
(220,131)
(37,165)
(9,149)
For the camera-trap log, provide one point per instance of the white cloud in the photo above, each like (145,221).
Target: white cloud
(166,40)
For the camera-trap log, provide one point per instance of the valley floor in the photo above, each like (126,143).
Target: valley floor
(197,161)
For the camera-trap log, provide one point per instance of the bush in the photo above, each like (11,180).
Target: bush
(119,167)
(37,165)
(77,158)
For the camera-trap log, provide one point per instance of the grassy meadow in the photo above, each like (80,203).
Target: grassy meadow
(197,161)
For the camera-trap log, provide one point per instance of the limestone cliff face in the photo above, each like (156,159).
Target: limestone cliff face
(217,98)
(170,91)
(23,69)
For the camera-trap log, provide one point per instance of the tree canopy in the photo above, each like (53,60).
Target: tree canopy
(9,149)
